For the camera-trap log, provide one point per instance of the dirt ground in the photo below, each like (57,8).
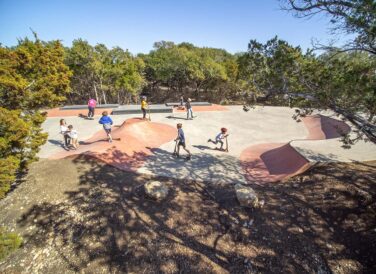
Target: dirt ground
(78,215)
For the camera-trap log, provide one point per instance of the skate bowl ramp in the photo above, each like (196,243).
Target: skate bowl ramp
(273,162)
(321,127)
(133,142)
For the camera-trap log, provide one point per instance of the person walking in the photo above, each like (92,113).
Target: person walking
(91,104)
(181,141)
(106,121)
(189,109)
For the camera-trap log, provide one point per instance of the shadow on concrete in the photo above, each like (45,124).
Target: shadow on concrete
(175,117)
(108,222)
(201,147)
(202,166)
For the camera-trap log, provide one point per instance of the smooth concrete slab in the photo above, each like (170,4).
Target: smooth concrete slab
(176,104)
(85,106)
(136,109)
(258,126)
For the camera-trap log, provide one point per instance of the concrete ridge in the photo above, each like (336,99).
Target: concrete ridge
(271,162)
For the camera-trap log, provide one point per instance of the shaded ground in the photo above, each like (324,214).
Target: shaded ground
(80,215)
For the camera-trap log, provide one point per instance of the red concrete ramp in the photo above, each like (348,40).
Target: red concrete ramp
(321,127)
(137,139)
(275,162)
(271,162)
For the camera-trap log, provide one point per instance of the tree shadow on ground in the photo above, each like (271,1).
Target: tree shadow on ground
(108,224)
(221,168)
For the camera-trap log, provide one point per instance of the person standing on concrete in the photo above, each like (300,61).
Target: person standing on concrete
(189,109)
(106,121)
(64,132)
(181,141)
(91,104)
(144,107)
(73,135)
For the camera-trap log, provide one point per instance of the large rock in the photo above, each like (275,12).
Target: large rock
(246,196)
(156,190)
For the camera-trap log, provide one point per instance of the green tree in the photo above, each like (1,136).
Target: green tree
(204,73)
(33,76)
(108,75)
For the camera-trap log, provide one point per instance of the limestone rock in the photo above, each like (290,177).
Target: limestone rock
(246,196)
(156,190)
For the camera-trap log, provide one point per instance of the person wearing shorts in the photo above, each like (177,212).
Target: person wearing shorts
(106,121)
(181,141)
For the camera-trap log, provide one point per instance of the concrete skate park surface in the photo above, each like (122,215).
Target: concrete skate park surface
(265,144)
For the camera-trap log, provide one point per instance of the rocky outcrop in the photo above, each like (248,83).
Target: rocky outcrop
(156,190)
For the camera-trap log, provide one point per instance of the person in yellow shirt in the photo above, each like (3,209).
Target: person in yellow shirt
(144,107)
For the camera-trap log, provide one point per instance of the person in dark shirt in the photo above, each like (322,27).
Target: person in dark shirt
(181,139)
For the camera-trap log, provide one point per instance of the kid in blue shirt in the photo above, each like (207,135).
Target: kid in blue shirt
(106,121)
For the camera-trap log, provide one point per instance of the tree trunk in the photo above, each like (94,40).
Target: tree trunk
(103,92)
(96,93)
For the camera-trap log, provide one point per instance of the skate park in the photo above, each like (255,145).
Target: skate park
(265,144)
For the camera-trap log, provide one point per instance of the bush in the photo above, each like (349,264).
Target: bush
(8,242)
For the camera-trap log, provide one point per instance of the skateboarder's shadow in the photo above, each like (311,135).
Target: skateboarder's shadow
(201,147)
(84,117)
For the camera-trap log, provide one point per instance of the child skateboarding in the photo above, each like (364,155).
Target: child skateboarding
(73,135)
(91,104)
(180,141)
(219,139)
(106,121)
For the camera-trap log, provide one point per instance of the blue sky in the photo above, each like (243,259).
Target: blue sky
(136,25)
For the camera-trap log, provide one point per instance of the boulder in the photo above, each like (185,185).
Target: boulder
(156,190)
(246,196)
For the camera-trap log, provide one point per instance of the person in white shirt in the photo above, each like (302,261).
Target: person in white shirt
(220,137)
(64,132)
(73,135)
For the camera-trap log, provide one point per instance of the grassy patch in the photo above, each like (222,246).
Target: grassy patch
(8,242)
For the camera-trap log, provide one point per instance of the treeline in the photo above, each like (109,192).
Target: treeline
(166,73)
(264,73)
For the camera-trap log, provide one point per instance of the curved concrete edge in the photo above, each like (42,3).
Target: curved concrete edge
(323,143)
(272,162)
(322,127)
(136,140)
